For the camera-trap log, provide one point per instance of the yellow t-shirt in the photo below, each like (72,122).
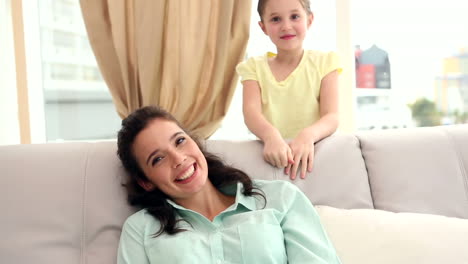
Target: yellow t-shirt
(292,104)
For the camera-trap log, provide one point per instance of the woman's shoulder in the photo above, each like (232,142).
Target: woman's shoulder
(138,215)
(275,187)
(141,219)
(279,194)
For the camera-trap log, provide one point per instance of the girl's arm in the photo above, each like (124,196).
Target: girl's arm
(303,145)
(276,151)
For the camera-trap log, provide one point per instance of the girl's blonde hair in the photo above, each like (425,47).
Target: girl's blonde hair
(262,3)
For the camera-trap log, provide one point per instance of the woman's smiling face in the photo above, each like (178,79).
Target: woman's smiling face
(170,159)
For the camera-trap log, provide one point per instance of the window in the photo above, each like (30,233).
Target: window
(63,11)
(411,62)
(63,42)
(77,103)
(66,72)
(91,74)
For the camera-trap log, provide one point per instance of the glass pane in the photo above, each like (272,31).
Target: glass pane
(411,62)
(78,105)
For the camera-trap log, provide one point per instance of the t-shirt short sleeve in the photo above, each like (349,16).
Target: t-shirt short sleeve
(331,63)
(247,70)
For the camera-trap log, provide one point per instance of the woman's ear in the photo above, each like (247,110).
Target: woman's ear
(148,186)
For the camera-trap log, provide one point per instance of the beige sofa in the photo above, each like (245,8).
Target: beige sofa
(393,196)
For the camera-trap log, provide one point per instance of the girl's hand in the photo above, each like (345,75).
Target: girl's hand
(277,152)
(302,148)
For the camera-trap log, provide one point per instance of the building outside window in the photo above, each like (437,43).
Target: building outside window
(425,83)
(78,105)
(451,96)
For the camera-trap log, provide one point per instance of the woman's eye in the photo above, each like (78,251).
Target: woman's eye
(180,141)
(156,160)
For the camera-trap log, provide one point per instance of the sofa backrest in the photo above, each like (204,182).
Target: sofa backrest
(61,203)
(420,170)
(338,179)
(64,203)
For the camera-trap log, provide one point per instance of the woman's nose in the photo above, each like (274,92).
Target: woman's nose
(178,158)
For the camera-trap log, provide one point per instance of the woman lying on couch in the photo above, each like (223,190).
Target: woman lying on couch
(196,209)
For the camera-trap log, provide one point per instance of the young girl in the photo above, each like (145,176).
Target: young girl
(292,94)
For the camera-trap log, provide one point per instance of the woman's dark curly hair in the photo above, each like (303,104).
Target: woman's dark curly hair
(154,201)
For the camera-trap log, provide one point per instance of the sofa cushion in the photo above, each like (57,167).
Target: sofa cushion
(427,167)
(364,236)
(339,177)
(61,203)
(105,205)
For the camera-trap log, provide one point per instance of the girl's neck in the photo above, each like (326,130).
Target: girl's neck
(292,57)
(210,202)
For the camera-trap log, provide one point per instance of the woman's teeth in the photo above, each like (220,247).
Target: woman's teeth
(187,174)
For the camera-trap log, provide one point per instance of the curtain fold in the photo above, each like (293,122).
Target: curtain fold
(177,54)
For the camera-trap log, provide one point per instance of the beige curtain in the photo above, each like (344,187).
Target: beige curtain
(178,54)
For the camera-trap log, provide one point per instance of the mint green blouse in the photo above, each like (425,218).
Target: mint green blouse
(285,230)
